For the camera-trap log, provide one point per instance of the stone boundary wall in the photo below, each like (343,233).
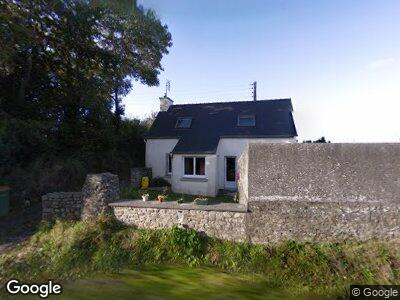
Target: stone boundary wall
(322,172)
(223,224)
(278,221)
(301,192)
(272,222)
(62,205)
(320,192)
(98,191)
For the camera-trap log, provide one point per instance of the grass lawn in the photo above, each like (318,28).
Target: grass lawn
(134,193)
(208,267)
(173,283)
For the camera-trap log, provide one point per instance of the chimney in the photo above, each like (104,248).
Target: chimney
(165,103)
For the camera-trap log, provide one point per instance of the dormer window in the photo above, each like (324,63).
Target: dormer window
(183,123)
(247,120)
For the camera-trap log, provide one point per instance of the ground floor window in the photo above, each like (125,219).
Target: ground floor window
(195,166)
(169,163)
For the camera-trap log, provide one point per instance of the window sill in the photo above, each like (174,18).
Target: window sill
(195,179)
(167,175)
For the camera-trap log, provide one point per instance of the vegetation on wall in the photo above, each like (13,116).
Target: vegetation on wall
(71,250)
(64,68)
(135,194)
(321,140)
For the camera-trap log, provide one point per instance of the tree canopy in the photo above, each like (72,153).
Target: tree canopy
(65,66)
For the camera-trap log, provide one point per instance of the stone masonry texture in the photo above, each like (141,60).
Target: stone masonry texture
(98,191)
(301,192)
(279,221)
(219,224)
(61,205)
(321,192)
(326,172)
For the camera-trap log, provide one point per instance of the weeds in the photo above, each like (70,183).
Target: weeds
(133,193)
(71,250)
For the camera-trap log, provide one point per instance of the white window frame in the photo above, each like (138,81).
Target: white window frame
(194,167)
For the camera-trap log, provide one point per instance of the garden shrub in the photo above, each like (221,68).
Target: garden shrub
(159,182)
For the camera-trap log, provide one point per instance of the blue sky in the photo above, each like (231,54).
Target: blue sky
(339,61)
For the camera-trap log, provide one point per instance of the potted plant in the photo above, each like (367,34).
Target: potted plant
(161,198)
(145,197)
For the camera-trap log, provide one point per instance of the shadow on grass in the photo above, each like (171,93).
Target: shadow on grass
(174,283)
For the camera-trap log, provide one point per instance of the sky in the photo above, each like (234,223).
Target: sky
(339,61)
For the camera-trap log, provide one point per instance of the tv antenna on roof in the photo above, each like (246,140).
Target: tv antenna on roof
(167,87)
(254,88)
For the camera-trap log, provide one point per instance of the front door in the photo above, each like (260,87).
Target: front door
(230,173)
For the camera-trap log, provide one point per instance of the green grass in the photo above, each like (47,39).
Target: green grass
(173,283)
(69,250)
(133,193)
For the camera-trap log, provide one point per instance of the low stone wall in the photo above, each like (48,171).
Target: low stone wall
(269,222)
(287,192)
(322,172)
(216,221)
(278,221)
(98,191)
(63,205)
(321,192)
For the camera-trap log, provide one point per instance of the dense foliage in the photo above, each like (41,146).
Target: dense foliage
(64,67)
(70,250)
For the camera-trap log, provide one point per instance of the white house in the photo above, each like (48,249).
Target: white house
(196,146)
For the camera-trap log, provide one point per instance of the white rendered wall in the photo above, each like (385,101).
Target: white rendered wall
(195,186)
(156,151)
(235,147)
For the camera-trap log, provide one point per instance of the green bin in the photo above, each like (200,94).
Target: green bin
(4,200)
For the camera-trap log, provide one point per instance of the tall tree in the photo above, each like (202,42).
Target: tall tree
(83,54)
(65,66)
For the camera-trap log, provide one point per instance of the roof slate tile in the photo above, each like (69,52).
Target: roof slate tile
(211,121)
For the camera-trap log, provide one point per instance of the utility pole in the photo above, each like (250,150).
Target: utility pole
(254,85)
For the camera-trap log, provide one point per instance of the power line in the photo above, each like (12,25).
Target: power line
(223,92)
(217,94)
(219,85)
(194,93)
(191,91)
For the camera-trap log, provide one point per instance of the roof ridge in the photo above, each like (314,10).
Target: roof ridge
(229,102)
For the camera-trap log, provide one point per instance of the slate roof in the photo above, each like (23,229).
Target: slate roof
(212,121)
